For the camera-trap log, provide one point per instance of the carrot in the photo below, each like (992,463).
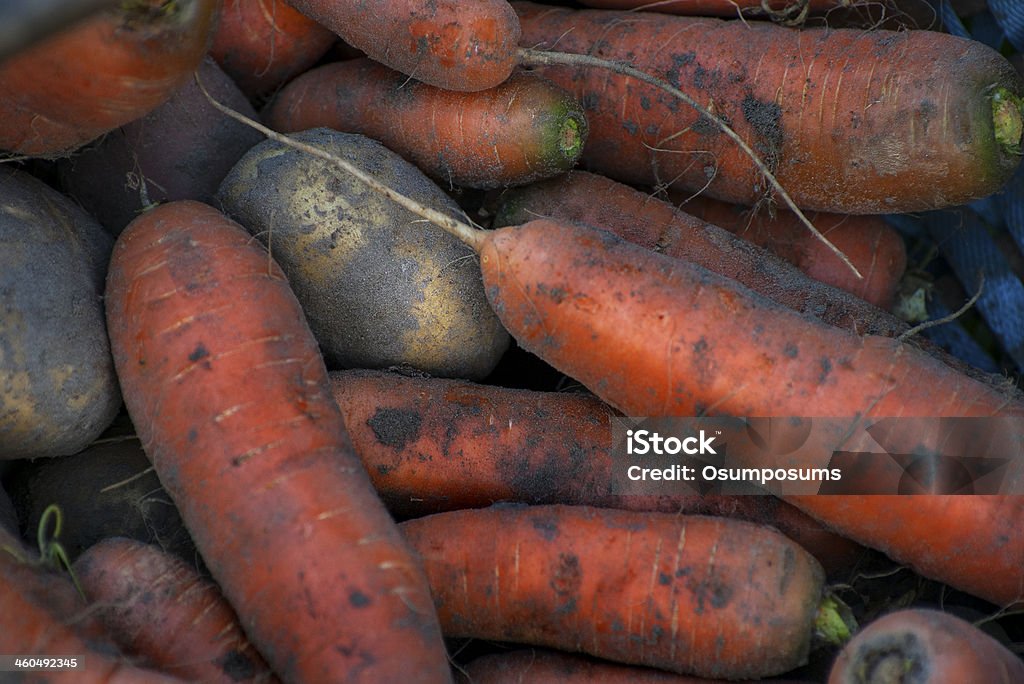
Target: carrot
(779,9)
(656,336)
(873,246)
(262,44)
(229,396)
(924,647)
(41,615)
(902,135)
(520,131)
(539,666)
(109,70)
(652,223)
(870,14)
(158,607)
(433,445)
(706,596)
(448,44)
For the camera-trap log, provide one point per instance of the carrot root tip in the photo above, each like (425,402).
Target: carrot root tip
(834,624)
(1008,120)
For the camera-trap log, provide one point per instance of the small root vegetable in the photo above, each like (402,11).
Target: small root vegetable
(261,44)
(180,150)
(924,647)
(58,390)
(448,44)
(379,287)
(522,130)
(159,608)
(874,247)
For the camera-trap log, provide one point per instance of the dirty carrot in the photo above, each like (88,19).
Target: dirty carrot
(157,607)
(652,223)
(432,445)
(874,247)
(542,666)
(694,595)
(229,395)
(522,130)
(848,121)
(107,71)
(261,44)
(448,44)
(41,613)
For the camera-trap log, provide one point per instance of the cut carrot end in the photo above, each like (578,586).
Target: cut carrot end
(834,624)
(570,139)
(1008,120)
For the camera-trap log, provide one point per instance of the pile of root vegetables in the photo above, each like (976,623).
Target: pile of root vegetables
(315,319)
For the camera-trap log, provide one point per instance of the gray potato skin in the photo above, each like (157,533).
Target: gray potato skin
(380,287)
(58,390)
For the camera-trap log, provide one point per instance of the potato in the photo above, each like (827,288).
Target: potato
(58,391)
(181,150)
(379,286)
(107,490)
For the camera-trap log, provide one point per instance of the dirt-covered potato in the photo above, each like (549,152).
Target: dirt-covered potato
(58,390)
(108,490)
(181,150)
(379,286)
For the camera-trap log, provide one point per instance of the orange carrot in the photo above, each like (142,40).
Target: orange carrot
(111,69)
(924,647)
(538,666)
(261,44)
(657,225)
(157,607)
(889,14)
(42,615)
(724,8)
(871,244)
(693,595)
(848,121)
(433,445)
(229,395)
(520,131)
(448,44)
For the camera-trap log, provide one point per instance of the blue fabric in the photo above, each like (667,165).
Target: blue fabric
(985,29)
(1011,206)
(1009,14)
(949,20)
(964,240)
(955,339)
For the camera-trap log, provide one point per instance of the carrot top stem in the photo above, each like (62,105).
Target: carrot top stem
(532,57)
(1008,120)
(472,237)
(834,624)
